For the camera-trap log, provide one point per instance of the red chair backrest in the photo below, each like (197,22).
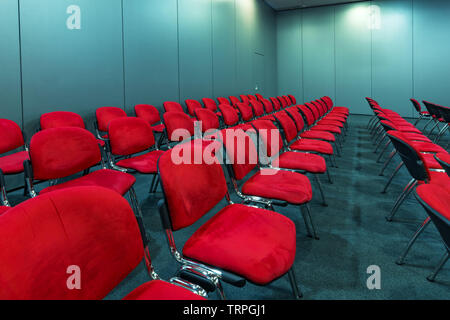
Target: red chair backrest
(234,100)
(270,136)
(309,116)
(44,236)
(130,135)
(223,100)
(192,105)
(210,104)
(59,119)
(252,97)
(298,118)
(10,136)
(276,103)
(314,110)
(288,125)
(208,119)
(147,112)
(172,106)
(179,126)
(60,152)
(191,190)
(260,97)
(293,100)
(268,107)
(258,107)
(283,102)
(240,150)
(105,114)
(245,110)
(244,98)
(416,105)
(229,115)
(288,100)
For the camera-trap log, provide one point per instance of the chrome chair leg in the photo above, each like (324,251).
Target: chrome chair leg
(444,259)
(401,260)
(293,281)
(388,160)
(319,185)
(392,177)
(406,192)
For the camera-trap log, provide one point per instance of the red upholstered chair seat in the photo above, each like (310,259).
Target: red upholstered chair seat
(3,209)
(158,127)
(440,179)
(321,135)
(430,161)
(427,147)
(302,161)
(330,123)
(329,128)
(145,163)
(312,146)
(13,163)
(255,243)
(112,179)
(291,187)
(161,290)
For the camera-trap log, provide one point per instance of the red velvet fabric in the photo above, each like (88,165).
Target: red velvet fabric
(288,100)
(427,147)
(268,107)
(178,120)
(223,100)
(161,290)
(117,181)
(192,105)
(61,119)
(298,118)
(288,186)
(319,135)
(210,104)
(245,110)
(208,118)
(436,197)
(93,228)
(191,190)
(339,118)
(308,115)
(13,163)
(330,123)
(302,161)
(159,128)
(244,98)
(288,125)
(255,243)
(314,110)
(3,209)
(148,113)
(276,103)
(258,107)
(283,102)
(252,97)
(105,114)
(229,114)
(234,100)
(61,152)
(312,146)
(444,157)
(430,161)
(440,179)
(294,101)
(130,135)
(172,106)
(260,97)
(144,163)
(10,136)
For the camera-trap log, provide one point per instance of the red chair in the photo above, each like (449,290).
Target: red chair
(11,138)
(245,111)
(179,126)
(286,187)
(103,116)
(192,105)
(443,158)
(171,106)
(236,243)
(229,115)
(51,160)
(209,120)
(234,100)
(252,97)
(58,119)
(293,100)
(150,114)
(276,103)
(258,110)
(330,104)
(244,99)
(128,137)
(45,241)
(223,100)
(4,206)
(260,97)
(283,102)
(210,104)
(268,107)
(276,156)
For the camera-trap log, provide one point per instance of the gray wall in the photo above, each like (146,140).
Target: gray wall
(129,52)
(332,51)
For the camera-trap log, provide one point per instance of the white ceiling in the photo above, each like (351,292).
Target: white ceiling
(293,4)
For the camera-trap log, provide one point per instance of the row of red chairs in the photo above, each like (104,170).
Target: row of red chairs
(191,190)
(426,162)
